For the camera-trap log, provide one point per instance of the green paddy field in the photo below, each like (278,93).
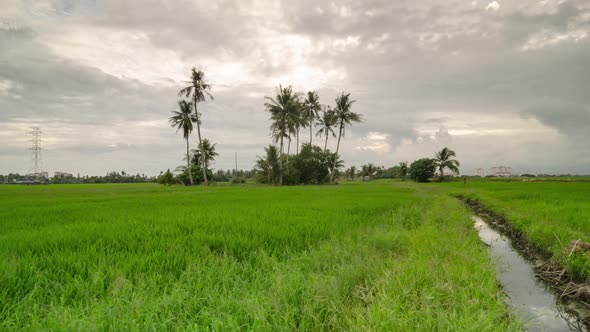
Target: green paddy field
(379,255)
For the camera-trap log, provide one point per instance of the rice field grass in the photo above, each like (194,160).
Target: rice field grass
(553,214)
(141,257)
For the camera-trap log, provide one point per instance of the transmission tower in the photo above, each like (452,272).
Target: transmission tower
(36,160)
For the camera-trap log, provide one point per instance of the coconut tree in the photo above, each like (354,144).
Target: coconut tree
(301,123)
(198,90)
(344,116)
(269,165)
(334,163)
(351,172)
(183,120)
(284,114)
(205,154)
(443,160)
(327,122)
(403,169)
(311,110)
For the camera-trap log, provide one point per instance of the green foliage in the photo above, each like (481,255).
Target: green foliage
(204,154)
(369,170)
(199,89)
(311,165)
(167,178)
(404,170)
(344,117)
(238,180)
(327,122)
(267,168)
(443,161)
(422,170)
(197,173)
(311,108)
(399,171)
(351,172)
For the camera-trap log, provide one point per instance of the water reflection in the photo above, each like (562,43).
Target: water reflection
(528,296)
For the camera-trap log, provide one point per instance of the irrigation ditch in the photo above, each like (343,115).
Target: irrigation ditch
(540,291)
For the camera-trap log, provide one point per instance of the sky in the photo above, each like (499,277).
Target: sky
(500,82)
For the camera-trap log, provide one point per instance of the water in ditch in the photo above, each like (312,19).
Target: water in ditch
(528,297)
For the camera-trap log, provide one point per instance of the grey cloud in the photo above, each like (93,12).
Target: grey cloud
(576,121)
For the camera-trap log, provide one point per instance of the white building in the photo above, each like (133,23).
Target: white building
(503,171)
(39,175)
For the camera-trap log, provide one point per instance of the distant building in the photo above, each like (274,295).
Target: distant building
(480,172)
(38,175)
(62,174)
(502,171)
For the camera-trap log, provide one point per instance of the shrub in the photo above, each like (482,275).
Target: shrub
(197,175)
(422,170)
(238,180)
(166,178)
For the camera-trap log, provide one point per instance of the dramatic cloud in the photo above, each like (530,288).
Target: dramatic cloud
(499,82)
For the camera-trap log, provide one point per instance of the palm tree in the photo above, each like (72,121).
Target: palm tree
(205,154)
(301,123)
(344,116)
(351,172)
(269,165)
(369,170)
(334,163)
(199,89)
(443,160)
(311,110)
(184,119)
(326,121)
(284,113)
(403,169)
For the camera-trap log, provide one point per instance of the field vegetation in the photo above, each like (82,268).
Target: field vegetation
(359,256)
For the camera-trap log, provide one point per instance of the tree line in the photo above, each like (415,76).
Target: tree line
(111,177)
(421,170)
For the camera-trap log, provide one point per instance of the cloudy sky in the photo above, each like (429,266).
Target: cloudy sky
(500,82)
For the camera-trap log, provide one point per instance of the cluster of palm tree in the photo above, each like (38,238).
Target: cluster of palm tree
(291,111)
(366,171)
(187,115)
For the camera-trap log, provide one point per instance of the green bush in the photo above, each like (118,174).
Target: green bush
(197,175)
(167,178)
(422,170)
(238,180)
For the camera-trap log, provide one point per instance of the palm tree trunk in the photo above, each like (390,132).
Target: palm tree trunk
(188,163)
(281,163)
(297,146)
(326,144)
(200,143)
(310,128)
(336,155)
(288,153)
